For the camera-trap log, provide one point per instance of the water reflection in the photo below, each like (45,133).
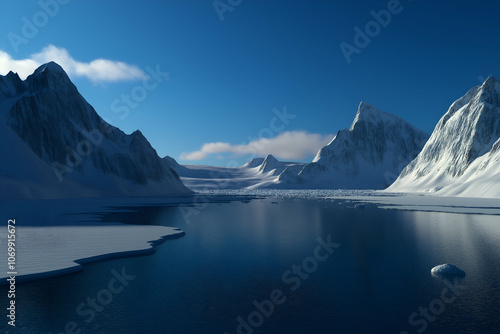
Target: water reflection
(235,253)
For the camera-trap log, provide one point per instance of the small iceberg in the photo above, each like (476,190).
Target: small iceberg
(359,206)
(448,269)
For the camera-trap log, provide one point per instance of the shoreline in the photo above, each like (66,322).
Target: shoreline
(58,250)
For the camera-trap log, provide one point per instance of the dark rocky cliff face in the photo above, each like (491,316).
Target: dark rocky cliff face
(61,128)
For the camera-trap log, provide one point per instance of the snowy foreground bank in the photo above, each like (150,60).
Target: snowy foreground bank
(55,250)
(55,237)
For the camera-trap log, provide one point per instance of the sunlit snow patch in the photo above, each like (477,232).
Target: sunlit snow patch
(447,269)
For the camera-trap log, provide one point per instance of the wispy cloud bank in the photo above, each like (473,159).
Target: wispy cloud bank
(98,70)
(294,145)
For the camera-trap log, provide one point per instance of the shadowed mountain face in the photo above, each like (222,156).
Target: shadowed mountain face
(49,115)
(462,154)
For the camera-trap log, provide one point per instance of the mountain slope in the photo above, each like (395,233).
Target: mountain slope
(461,157)
(57,145)
(255,162)
(369,155)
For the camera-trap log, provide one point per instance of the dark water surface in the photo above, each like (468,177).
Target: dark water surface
(235,254)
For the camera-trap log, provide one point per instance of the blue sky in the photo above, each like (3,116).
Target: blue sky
(229,78)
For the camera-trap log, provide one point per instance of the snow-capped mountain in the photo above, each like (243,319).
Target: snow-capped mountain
(271,164)
(369,155)
(462,155)
(55,145)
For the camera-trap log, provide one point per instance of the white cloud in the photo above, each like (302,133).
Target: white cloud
(294,145)
(98,70)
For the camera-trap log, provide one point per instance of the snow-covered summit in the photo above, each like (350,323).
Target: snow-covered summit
(50,76)
(58,146)
(368,155)
(462,154)
(368,113)
(50,69)
(271,164)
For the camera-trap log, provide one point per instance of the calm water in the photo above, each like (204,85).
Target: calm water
(236,253)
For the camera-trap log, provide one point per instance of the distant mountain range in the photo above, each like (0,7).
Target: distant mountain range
(54,145)
(255,172)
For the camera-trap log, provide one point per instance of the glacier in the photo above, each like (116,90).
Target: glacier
(256,171)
